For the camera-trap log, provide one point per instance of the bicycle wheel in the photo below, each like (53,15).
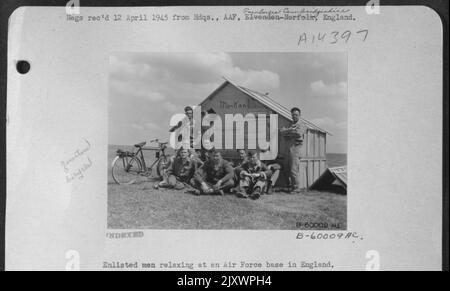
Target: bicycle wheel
(163,165)
(126,170)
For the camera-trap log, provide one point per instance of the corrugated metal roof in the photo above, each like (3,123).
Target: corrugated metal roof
(275,106)
(264,99)
(340,173)
(336,176)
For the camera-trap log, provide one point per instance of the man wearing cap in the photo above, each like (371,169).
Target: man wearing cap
(180,172)
(294,136)
(253,177)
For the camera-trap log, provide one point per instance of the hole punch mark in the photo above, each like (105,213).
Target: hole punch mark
(23,67)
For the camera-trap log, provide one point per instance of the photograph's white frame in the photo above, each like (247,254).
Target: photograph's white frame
(395,114)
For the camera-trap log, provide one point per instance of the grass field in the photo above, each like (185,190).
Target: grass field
(139,206)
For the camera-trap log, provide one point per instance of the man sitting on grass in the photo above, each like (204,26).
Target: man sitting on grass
(215,176)
(253,177)
(272,179)
(242,158)
(180,172)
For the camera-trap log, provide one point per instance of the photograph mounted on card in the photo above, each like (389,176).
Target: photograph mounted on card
(203,128)
(224,138)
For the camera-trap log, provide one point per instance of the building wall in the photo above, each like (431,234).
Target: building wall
(315,158)
(230,100)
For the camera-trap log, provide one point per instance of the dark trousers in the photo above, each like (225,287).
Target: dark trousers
(248,185)
(173,182)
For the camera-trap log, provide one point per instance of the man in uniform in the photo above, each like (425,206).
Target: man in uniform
(215,176)
(253,177)
(294,136)
(180,172)
(242,158)
(189,118)
(273,178)
(194,137)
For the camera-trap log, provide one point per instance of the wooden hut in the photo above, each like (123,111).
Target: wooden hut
(230,98)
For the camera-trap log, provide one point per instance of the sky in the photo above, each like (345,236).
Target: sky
(146,89)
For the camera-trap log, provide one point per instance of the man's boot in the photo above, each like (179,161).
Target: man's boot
(269,189)
(256,194)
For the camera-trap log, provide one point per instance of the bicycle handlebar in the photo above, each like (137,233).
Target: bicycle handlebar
(157,140)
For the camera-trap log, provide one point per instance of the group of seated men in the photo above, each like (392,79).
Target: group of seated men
(211,174)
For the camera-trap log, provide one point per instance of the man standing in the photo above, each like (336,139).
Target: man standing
(272,179)
(294,136)
(180,172)
(215,176)
(195,134)
(254,175)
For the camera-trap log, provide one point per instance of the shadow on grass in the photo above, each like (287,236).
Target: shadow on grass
(137,207)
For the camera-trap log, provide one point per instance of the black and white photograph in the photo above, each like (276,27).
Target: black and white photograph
(227,141)
(233,139)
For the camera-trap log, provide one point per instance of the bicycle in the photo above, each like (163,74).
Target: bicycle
(128,166)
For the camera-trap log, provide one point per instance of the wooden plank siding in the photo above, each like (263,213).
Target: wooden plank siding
(315,155)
